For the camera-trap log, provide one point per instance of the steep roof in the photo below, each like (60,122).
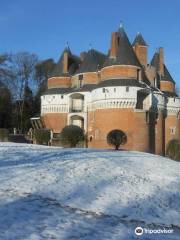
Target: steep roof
(120,82)
(155,63)
(125,52)
(139,40)
(170,94)
(93,61)
(167,76)
(155,60)
(90,87)
(73,64)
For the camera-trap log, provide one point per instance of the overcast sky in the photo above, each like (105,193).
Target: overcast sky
(44,26)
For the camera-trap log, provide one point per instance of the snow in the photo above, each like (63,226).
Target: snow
(56,193)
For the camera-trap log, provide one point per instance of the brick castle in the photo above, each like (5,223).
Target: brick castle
(120,90)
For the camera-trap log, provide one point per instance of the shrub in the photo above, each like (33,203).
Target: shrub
(116,138)
(4,134)
(42,136)
(173,149)
(72,135)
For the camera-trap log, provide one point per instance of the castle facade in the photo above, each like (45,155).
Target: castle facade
(120,90)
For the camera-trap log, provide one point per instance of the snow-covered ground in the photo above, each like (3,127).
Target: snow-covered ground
(53,193)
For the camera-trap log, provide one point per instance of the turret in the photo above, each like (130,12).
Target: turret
(122,62)
(64,69)
(140,47)
(165,80)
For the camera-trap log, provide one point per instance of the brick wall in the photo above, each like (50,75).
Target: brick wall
(88,78)
(160,134)
(141,53)
(118,71)
(167,86)
(102,121)
(55,121)
(59,82)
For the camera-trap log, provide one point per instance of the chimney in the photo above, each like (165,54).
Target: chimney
(113,50)
(141,53)
(65,62)
(140,47)
(161,61)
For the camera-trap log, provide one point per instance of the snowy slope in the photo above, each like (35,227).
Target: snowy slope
(54,193)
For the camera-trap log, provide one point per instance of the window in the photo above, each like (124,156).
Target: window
(80,78)
(172,130)
(62,96)
(103,90)
(127,89)
(114,89)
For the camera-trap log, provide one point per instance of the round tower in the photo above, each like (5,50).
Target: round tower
(114,100)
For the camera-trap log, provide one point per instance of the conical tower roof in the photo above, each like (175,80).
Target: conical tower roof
(73,64)
(155,60)
(155,63)
(93,61)
(139,40)
(125,53)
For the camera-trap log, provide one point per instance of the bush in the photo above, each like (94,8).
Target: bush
(42,136)
(72,135)
(116,138)
(173,149)
(4,134)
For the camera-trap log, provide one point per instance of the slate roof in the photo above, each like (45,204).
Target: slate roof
(52,91)
(125,52)
(167,76)
(90,87)
(155,60)
(170,94)
(139,40)
(92,62)
(74,62)
(121,82)
(155,63)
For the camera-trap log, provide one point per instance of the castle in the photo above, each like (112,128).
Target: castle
(120,90)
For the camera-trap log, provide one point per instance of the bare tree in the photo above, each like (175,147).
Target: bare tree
(21,75)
